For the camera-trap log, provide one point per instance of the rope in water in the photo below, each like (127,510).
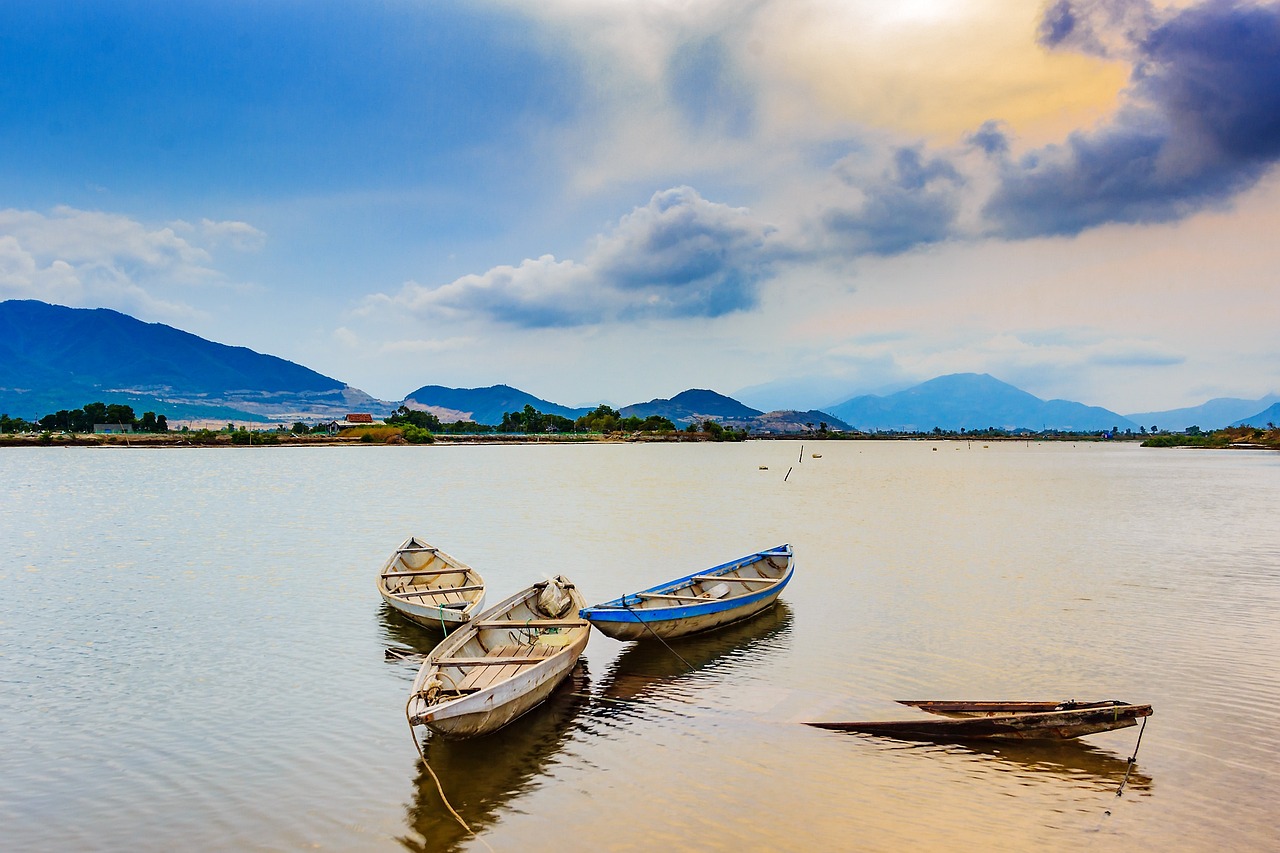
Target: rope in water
(1133,759)
(416,745)
(655,633)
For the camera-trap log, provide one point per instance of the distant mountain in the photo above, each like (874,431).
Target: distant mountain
(1215,414)
(787,422)
(799,393)
(1269,415)
(482,405)
(53,357)
(972,401)
(692,405)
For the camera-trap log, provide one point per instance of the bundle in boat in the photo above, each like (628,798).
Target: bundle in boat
(502,663)
(698,602)
(429,587)
(1002,720)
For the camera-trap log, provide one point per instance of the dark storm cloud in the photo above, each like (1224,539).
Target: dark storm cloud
(1201,121)
(913,202)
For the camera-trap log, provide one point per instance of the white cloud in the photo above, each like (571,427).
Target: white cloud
(95,258)
(240,236)
(678,256)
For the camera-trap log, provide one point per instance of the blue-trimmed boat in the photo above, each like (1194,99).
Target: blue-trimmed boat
(699,602)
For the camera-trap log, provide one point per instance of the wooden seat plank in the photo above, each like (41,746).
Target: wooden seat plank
(494,661)
(415,573)
(532,623)
(444,591)
(737,580)
(660,596)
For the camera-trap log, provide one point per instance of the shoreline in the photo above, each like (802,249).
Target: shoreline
(223,440)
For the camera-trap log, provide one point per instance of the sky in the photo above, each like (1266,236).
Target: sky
(792,202)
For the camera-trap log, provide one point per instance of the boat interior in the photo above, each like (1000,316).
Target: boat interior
(753,574)
(421,574)
(539,625)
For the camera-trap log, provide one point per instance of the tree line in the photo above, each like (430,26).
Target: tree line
(602,419)
(86,418)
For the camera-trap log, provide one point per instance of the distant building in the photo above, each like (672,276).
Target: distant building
(359,418)
(112,429)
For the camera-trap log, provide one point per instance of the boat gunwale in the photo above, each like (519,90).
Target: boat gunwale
(432,615)
(439,657)
(1017,726)
(627,608)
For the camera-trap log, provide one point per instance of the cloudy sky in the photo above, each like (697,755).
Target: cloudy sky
(789,201)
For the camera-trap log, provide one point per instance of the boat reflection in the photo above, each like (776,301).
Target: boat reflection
(651,669)
(399,632)
(1083,764)
(481,775)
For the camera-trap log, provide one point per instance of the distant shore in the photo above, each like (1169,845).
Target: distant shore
(1238,438)
(224,440)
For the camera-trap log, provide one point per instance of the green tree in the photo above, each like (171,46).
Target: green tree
(602,419)
(96,413)
(118,413)
(422,420)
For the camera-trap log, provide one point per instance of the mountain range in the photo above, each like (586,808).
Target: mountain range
(1214,414)
(482,405)
(973,401)
(53,357)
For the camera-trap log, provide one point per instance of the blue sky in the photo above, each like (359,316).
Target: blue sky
(792,202)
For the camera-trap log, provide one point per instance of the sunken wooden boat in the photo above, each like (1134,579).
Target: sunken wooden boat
(699,602)
(1003,720)
(502,663)
(428,586)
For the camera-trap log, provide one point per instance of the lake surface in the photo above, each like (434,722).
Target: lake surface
(191,647)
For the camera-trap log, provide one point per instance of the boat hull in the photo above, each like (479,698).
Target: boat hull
(439,619)
(1041,725)
(682,621)
(420,582)
(490,710)
(632,617)
(499,666)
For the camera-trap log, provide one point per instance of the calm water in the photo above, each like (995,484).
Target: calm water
(191,647)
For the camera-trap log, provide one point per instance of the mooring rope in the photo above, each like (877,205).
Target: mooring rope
(655,633)
(1133,759)
(440,788)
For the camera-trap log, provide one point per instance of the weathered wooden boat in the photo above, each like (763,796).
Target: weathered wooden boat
(1008,720)
(430,587)
(502,663)
(699,602)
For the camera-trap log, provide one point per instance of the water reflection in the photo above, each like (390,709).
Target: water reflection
(649,670)
(399,632)
(1082,764)
(480,776)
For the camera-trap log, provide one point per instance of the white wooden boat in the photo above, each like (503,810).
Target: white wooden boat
(430,587)
(502,663)
(699,602)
